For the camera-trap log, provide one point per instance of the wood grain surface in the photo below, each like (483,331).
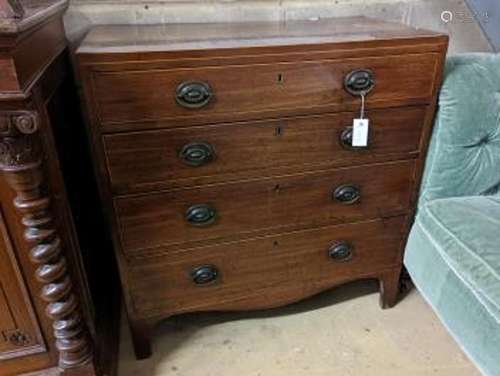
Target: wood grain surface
(251,273)
(274,204)
(141,97)
(271,104)
(151,160)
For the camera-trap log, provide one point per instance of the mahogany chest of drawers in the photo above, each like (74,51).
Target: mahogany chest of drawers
(225,158)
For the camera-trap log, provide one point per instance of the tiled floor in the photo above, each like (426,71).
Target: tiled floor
(339,333)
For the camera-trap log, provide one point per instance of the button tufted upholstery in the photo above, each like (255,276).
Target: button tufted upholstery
(464,154)
(453,251)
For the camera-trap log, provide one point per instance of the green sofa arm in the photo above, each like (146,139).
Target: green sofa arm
(464,153)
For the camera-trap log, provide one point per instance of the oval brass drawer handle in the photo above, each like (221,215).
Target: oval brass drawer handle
(345,140)
(347,194)
(205,274)
(193,94)
(341,251)
(359,81)
(201,215)
(197,154)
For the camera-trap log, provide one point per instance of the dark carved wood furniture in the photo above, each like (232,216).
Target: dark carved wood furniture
(51,319)
(226,165)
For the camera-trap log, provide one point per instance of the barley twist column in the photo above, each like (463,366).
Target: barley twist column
(21,164)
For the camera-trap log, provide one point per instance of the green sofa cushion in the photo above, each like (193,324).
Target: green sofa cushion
(469,322)
(465,231)
(464,153)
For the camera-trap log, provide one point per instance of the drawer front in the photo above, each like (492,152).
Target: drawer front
(258,273)
(181,218)
(165,159)
(213,94)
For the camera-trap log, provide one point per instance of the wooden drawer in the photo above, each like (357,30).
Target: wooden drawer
(166,159)
(266,205)
(261,272)
(241,92)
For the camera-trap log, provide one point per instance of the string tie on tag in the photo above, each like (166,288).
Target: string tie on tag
(362,94)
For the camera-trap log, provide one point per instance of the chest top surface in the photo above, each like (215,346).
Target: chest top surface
(216,36)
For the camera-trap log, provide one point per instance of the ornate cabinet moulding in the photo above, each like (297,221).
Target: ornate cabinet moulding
(21,163)
(18,146)
(17,16)
(10,9)
(45,221)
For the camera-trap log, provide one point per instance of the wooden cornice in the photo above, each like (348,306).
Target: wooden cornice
(31,37)
(18,16)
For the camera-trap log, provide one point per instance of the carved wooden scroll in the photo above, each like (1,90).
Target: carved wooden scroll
(21,163)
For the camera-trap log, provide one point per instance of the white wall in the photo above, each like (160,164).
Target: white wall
(465,33)
(488,14)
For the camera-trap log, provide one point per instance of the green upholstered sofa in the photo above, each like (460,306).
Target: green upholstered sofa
(453,251)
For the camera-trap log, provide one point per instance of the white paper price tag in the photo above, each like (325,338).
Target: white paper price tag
(360,132)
